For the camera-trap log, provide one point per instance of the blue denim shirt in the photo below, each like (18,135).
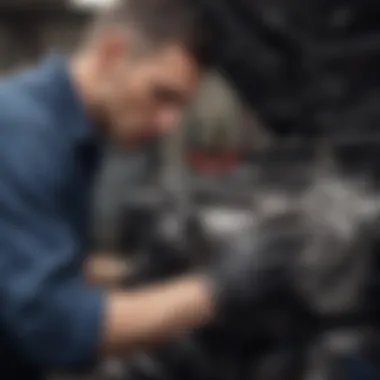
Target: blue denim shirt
(49,318)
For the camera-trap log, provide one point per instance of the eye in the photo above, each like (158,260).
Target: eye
(165,95)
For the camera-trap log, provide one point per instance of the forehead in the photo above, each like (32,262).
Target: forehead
(173,64)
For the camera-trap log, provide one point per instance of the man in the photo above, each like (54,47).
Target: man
(136,70)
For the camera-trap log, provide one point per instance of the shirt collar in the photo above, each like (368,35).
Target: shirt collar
(67,105)
(69,112)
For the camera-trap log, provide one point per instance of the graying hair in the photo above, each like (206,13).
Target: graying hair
(160,22)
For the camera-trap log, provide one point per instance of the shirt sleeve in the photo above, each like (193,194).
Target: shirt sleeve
(48,312)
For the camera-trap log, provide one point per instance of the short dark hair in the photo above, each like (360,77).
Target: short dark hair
(162,22)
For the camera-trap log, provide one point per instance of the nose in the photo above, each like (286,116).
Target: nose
(169,119)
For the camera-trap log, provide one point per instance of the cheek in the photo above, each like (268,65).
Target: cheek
(139,91)
(140,85)
(118,83)
(112,90)
(122,102)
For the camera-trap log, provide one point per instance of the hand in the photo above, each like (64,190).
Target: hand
(251,277)
(174,247)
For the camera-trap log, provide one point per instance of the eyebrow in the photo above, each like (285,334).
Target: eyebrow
(172,94)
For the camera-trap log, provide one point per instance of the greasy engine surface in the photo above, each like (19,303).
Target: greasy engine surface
(325,327)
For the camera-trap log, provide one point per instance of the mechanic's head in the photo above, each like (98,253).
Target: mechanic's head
(144,59)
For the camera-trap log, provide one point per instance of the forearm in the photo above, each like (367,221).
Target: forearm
(91,324)
(155,314)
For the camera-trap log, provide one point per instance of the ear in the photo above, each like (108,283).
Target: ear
(113,46)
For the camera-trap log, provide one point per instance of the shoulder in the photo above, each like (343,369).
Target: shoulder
(21,107)
(30,149)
